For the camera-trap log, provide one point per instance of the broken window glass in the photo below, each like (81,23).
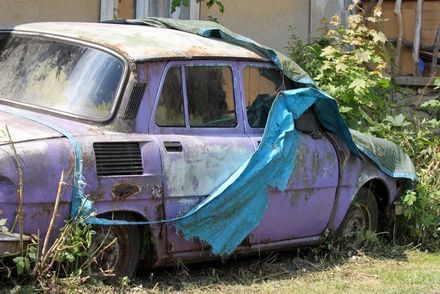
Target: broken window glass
(261,85)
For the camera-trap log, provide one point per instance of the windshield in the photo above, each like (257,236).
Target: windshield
(59,76)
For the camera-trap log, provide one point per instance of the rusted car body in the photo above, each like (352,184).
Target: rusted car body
(163,118)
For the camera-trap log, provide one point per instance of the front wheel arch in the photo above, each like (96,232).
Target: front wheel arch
(382,195)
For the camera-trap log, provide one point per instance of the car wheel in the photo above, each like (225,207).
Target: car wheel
(361,216)
(115,251)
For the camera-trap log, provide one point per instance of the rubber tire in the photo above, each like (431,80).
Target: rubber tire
(128,248)
(364,203)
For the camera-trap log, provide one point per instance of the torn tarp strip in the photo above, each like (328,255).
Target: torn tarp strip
(234,209)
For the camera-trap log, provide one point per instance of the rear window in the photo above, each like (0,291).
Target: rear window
(59,76)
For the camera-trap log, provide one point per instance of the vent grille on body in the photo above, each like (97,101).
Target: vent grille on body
(118,158)
(135,100)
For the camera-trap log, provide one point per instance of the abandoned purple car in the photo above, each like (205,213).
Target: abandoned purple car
(163,117)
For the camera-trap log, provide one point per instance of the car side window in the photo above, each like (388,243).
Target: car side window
(261,85)
(170,110)
(210,94)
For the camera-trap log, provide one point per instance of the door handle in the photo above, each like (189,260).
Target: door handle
(173,146)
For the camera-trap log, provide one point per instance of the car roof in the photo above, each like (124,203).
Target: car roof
(138,42)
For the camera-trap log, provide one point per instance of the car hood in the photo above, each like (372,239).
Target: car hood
(22,129)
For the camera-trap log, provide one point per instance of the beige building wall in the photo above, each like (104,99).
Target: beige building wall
(13,12)
(271,22)
(266,21)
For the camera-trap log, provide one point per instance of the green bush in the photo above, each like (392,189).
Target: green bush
(351,63)
(422,213)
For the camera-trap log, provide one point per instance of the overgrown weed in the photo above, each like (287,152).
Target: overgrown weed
(66,259)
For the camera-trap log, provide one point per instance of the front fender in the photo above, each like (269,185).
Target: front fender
(43,161)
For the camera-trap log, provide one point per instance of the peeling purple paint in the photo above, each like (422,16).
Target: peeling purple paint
(325,181)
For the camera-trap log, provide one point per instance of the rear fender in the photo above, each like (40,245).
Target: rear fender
(354,175)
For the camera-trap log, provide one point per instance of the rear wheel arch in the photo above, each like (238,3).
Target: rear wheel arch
(376,190)
(382,195)
(380,190)
(361,215)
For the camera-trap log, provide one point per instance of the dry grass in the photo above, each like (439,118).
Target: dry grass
(392,270)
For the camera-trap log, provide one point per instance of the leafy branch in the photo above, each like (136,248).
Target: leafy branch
(208,3)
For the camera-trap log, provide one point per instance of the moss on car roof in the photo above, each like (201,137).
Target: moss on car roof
(142,42)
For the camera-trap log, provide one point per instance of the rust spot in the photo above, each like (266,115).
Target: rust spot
(71,165)
(160,236)
(160,216)
(122,191)
(294,198)
(170,247)
(46,208)
(157,191)
(97,194)
(87,159)
(159,211)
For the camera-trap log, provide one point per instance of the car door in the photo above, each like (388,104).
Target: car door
(199,128)
(304,209)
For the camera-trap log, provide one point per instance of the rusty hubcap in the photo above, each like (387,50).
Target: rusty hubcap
(359,220)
